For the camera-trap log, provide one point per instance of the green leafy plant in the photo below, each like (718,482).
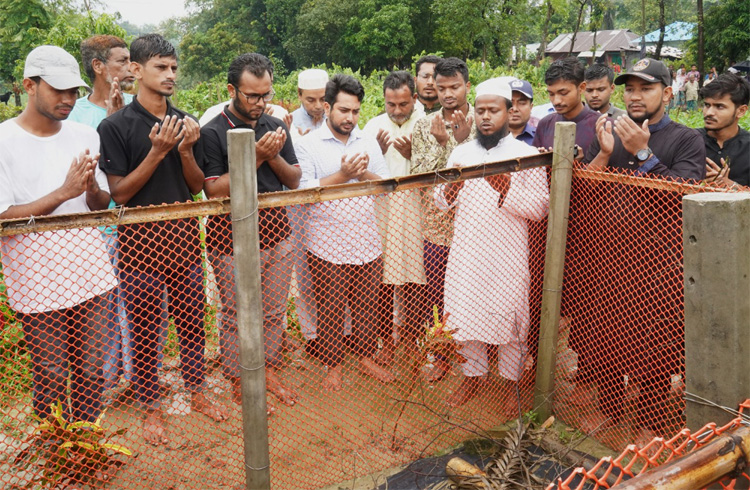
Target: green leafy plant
(69,453)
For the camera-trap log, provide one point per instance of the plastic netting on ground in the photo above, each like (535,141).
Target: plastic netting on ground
(638,459)
(361,375)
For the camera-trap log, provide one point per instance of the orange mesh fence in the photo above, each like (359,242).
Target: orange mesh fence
(638,459)
(376,311)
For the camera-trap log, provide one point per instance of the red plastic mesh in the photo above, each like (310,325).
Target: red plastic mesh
(622,320)
(638,459)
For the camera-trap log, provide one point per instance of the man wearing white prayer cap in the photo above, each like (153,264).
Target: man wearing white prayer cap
(487,286)
(311,89)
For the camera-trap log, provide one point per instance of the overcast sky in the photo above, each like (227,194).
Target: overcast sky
(141,12)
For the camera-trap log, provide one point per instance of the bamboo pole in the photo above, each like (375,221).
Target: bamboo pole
(727,455)
(124,216)
(244,190)
(557,229)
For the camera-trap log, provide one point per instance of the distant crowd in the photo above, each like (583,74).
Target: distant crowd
(93,302)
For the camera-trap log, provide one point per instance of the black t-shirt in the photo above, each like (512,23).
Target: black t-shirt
(585,129)
(680,151)
(125,143)
(736,150)
(273,223)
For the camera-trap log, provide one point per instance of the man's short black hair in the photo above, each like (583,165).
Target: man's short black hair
(597,71)
(430,58)
(450,67)
(98,48)
(568,69)
(149,46)
(397,79)
(254,63)
(728,83)
(343,83)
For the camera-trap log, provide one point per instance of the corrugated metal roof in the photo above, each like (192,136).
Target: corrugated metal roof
(615,40)
(676,31)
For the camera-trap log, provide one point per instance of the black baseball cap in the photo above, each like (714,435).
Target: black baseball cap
(649,70)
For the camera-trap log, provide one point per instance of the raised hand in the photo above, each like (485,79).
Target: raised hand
(165,137)
(403,146)
(269,145)
(438,131)
(461,126)
(77,180)
(115,101)
(384,140)
(604,135)
(633,136)
(191,132)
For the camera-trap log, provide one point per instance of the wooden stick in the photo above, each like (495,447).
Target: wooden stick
(557,229)
(244,190)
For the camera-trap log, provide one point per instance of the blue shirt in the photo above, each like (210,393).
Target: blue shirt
(302,120)
(528,133)
(90,114)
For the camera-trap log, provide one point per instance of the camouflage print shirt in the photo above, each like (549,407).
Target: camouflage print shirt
(427,156)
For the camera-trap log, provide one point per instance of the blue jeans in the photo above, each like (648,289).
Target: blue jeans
(67,344)
(118,346)
(144,292)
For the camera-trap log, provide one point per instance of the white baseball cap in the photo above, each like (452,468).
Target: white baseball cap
(55,66)
(312,79)
(495,86)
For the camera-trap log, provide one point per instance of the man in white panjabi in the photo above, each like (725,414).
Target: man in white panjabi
(487,278)
(403,264)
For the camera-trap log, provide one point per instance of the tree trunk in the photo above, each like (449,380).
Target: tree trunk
(17,93)
(660,43)
(578,26)
(545,29)
(643,29)
(701,42)
(593,50)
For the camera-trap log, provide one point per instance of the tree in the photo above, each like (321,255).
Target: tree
(24,24)
(662,26)
(382,36)
(726,33)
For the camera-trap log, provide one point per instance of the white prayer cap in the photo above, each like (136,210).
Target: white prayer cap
(312,79)
(495,86)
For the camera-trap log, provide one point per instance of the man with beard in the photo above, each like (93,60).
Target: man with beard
(725,102)
(434,138)
(427,97)
(311,90)
(599,88)
(564,79)
(646,140)
(106,61)
(519,115)
(342,241)
(403,270)
(637,342)
(249,82)
(487,288)
(150,151)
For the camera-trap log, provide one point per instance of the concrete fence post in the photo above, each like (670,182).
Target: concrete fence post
(244,192)
(554,263)
(716,238)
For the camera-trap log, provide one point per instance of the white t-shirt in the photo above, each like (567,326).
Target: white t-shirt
(58,269)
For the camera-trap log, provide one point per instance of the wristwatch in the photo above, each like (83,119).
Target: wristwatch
(643,155)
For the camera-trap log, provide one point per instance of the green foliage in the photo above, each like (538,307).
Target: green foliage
(206,53)
(8,111)
(15,364)
(24,24)
(726,32)
(62,453)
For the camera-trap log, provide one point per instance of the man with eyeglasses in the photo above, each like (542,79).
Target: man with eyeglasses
(427,96)
(249,81)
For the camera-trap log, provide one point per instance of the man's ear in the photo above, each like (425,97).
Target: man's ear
(136,70)
(98,66)
(327,107)
(231,90)
(29,86)
(741,110)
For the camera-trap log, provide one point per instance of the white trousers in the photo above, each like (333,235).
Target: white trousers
(511,358)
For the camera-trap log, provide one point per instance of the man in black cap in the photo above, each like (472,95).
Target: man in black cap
(676,152)
(634,330)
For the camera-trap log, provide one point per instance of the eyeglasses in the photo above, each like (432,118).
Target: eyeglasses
(254,98)
(426,76)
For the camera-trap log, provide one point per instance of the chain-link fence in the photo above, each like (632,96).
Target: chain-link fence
(399,317)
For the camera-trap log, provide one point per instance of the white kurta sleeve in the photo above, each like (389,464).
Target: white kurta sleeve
(528,196)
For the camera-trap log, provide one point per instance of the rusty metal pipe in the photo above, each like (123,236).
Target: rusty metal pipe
(726,455)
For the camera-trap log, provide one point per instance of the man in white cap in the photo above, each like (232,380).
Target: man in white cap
(487,289)
(311,90)
(58,281)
